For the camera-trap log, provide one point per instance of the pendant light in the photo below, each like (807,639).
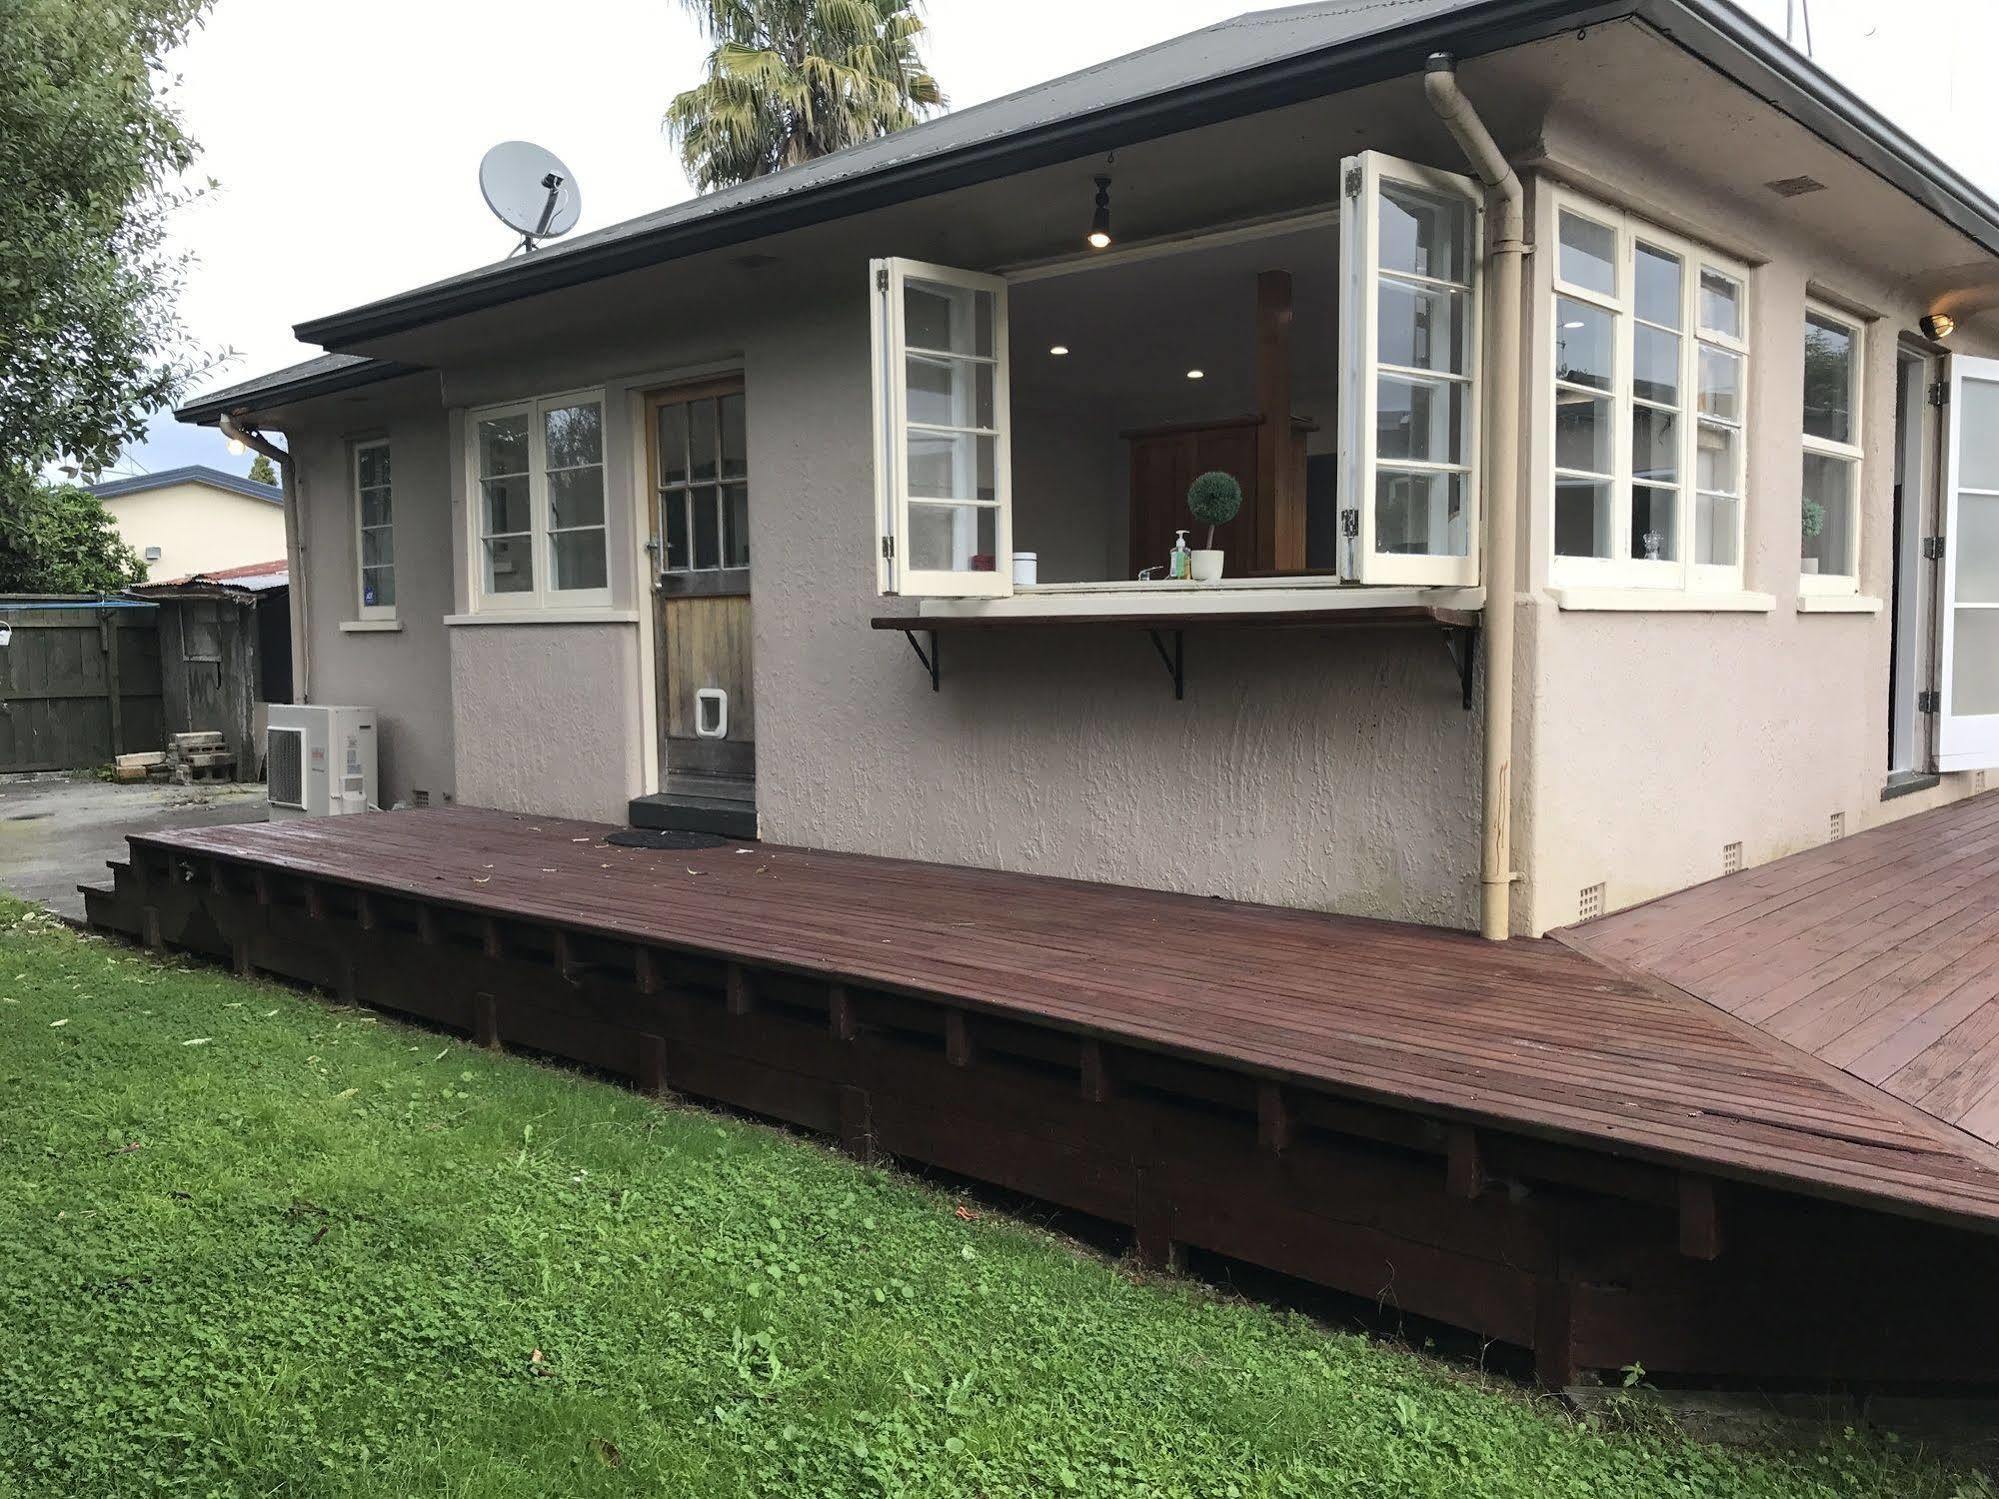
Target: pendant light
(1100,222)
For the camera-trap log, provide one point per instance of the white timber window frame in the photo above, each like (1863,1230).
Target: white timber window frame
(538,517)
(1968,666)
(1836,448)
(1649,400)
(374,530)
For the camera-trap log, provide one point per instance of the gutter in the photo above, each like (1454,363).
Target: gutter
(1506,262)
(300,588)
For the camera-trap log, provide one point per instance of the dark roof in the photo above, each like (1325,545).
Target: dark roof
(322,375)
(193,473)
(253,578)
(1255,62)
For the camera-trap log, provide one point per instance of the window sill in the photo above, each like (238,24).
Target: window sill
(370,626)
(1905,782)
(1837,603)
(1175,600)
(1660,601)
(546,617)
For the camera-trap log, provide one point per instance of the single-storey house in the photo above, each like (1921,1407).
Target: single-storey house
(196,519)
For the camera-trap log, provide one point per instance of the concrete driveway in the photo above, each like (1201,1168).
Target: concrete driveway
(57,833)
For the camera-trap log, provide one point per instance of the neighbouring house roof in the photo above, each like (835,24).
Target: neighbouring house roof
(324,375)
(251,577)
(193,473)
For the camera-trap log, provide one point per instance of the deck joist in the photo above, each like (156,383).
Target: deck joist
(1250,1082)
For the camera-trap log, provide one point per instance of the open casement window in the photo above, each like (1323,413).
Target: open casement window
(1411,244)
(943,488)
(1968,723)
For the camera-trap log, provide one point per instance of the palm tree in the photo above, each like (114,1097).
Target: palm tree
(789,80)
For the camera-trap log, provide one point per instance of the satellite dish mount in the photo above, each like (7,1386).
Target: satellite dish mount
(530,191)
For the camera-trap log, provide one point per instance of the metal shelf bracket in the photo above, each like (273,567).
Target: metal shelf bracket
(931,660)
(1462,642)
(1176,661)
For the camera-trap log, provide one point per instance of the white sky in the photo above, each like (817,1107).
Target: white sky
(346,138)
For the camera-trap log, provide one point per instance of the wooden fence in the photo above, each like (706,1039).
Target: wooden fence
(79,683)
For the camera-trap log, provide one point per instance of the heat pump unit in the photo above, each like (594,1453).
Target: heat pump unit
(320,761)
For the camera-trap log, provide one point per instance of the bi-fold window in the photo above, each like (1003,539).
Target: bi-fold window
(1968,721)
(1411,250)
(538,479)
(1650,404)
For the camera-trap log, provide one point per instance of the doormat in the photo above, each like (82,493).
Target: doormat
(656,838)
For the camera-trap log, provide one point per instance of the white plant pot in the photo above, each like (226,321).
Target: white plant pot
(1808,564)
(1207,564)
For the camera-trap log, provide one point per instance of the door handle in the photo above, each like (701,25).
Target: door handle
(711,713)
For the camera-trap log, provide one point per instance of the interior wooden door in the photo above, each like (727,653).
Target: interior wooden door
(697,456)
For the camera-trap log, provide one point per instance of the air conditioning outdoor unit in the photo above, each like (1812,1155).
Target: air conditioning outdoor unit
(320,761)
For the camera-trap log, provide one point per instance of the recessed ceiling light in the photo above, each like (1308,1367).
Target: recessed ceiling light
(1197,374)
(1576,324)
(1058,350)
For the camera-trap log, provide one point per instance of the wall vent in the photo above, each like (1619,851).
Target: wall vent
(419,798)
(1590,905)
(1731,858)
(1836,825)
(1795,187)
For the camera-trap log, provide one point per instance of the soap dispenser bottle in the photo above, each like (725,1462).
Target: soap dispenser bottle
(1183,559)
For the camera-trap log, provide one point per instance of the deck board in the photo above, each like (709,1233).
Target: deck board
(1531,1035)
(1877,954)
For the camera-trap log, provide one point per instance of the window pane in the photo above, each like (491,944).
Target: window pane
(1425,233)
(1655,445)
(1827,521)
(1978,441)
(674,509)
(1655,365)
(378,587)
(573,435)
(1720,384)
(673,444)
(1828,379)
(1977,549)
(375,507)
(509,566)
(735,445)
(1655,286)
(373,462)
(1582,432)
(1714,529)
(702,439)
(1582,518)
(704,501)
(951,466)
(1720,304)
(1420,514)
(953,538)
(1655,523)
(950,392)
(1974,671)
(1589,254)
(736,525)
(507,508)
(579,559)
(378,547)
(576,498)
(503,445)
(1717,459)
(1420,419)
(1422,327)
(1584,343)
(951,319)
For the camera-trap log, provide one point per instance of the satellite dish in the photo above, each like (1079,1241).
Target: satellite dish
(530,191)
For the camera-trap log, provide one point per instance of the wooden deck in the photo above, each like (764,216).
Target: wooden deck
(1510,1137)
(1878,955)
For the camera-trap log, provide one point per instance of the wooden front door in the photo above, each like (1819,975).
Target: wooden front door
(699,466)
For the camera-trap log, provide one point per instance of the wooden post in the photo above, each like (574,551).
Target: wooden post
(645,970)
(1280,528)
(107,638)
(149,928)
(840,1013)
(1554,1335)
(565,959)
(1097,1084)
(958,1044)
(239,957)
(739,994)
(485,1021)
(1700,1218)
(1464,1163)
(1273,1117)
(857,1130)
(1153,1227)
(652,1064)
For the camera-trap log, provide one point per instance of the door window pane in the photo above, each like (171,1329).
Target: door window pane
(1977,548)
(1420,514)
(1829,372)
(736,525)
(1827,521)
(1584,343)
(705,521)
(1582,518)
(706,501)
(1589,254)
(1978,435)
(735,443)
(673,506)
(703,441)
(673,444)
(1423,233)
(1974,670)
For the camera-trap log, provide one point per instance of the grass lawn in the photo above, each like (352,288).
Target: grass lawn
(251,1243)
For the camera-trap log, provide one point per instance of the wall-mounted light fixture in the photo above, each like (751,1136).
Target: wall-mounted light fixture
(1100,221)
(1938,325)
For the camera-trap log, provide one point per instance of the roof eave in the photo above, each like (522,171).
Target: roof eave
(209,410)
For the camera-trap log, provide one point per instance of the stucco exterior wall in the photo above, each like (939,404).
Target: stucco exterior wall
(198,528)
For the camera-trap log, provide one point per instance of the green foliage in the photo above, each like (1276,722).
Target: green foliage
(1215,498)
(790,80)
(58,538)
(262,470)
(1814,518)
(91,154)
(252,1243)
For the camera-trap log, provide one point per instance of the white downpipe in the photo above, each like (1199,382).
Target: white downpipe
(1506,261)
(297,586)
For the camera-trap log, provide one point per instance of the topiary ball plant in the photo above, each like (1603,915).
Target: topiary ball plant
(1215,498)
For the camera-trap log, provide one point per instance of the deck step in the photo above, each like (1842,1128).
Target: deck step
(683,813)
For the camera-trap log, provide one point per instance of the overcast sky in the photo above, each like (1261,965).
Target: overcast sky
(346,138)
